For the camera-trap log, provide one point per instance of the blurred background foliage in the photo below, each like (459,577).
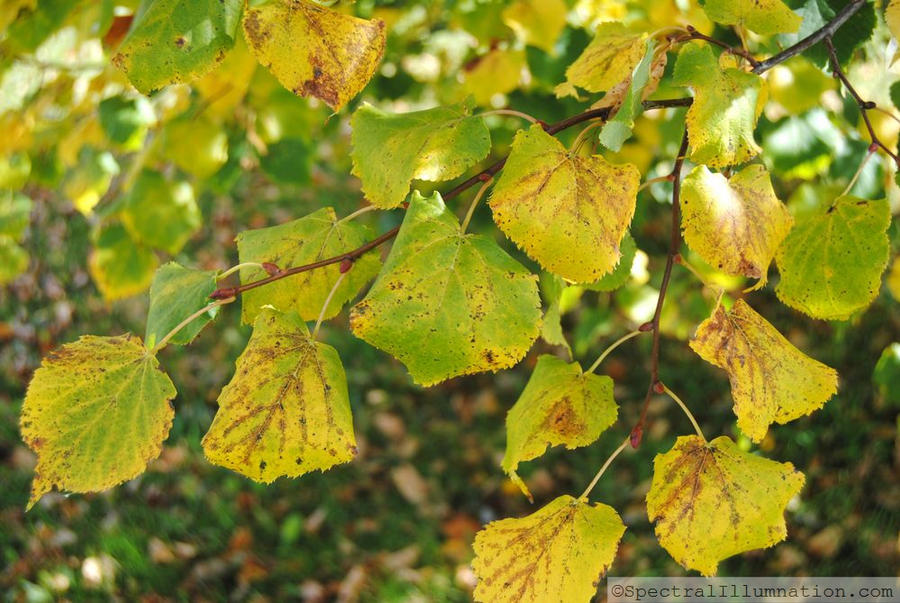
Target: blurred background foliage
(99,185)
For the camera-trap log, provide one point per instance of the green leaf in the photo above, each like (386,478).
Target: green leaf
(609,59)
(722,118)
(622,272)
(286,411)
(712,501)
(764,17)
(771,380)
(15,168)
(448,303)
(895,94)
(566,211)
(160,213)
(15,209)
(175,294)
(90,179)
(119,266)
(309,239)
(735,224)
(555,554)
(288,161)
(618,129)
(314,51)
(560,405)
(390,150)
(13,259)
(831,262)
(887,374)
(96,412)
(125,120)
(175,41)
(34,24)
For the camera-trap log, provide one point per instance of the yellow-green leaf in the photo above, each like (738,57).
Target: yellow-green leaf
(771,380)
(712,501)
(497,72)
(13,259)
(555,554)
(161,213)
(390,150)
(448,303)
(765,17)
(560,405)
(832,261)
(286,411)
(175,294)
(96,412)
(735,223)
(607,61)
(314,51)
(176,41)
(120,266)
(537,22)
(892,17)
(315,237)
(566,211)
(721,120)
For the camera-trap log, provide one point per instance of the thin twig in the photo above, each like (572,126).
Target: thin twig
(693,34)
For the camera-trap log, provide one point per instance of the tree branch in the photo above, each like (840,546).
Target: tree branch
(811,40)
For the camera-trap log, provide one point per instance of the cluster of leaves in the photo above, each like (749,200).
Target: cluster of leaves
(446,302)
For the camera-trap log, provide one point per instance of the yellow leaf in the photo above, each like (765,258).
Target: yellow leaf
(314,51)
(566,211)
(555,554)
(711,501)
(893,279)
(286,411)
(497,72)
(608,60)
(96,412)
(892,17)
(537,22)
(765,17)
(771,380)
(560,405)
(736,223)
(225,87)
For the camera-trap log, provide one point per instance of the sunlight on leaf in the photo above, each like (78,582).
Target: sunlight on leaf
(447,303)
(771,380)
(314,51)
(608,60)
(285,411)
(735,223)
(560,405)
(555,554)
(390,150)
(762,16)
(96,412)
(537,22)
(832,261)
(566,211)
(712,501)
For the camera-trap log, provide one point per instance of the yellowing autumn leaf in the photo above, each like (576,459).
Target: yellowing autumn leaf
(299,242)
(390,150)
(711,501)
(771,380)
(566,211)
(892,17)
(735,223)
(832,261)
(721,120)
(608,60)
(765,17)
(537,22)
(286,411)
(314,51)
(560,405)
(448,303)
(497,72)
(555,554)
(96,412)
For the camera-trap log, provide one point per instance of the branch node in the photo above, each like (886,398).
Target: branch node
(271,268)
(659,388)
(637,435)
(647,326)
(223,293)
(346,265)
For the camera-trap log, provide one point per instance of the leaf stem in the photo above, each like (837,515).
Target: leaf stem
(234,269)
(693,34)
(358,212)
(162,342)
(612,347)
(465,224)
(647,183)
(510,112)
(324,309)
(862,166)
(684,407)
(603,469)
(582,136)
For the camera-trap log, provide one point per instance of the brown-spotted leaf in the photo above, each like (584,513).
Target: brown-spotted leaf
(555,554)
(711,501)
(315,51)
(286,411)
(771,380)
